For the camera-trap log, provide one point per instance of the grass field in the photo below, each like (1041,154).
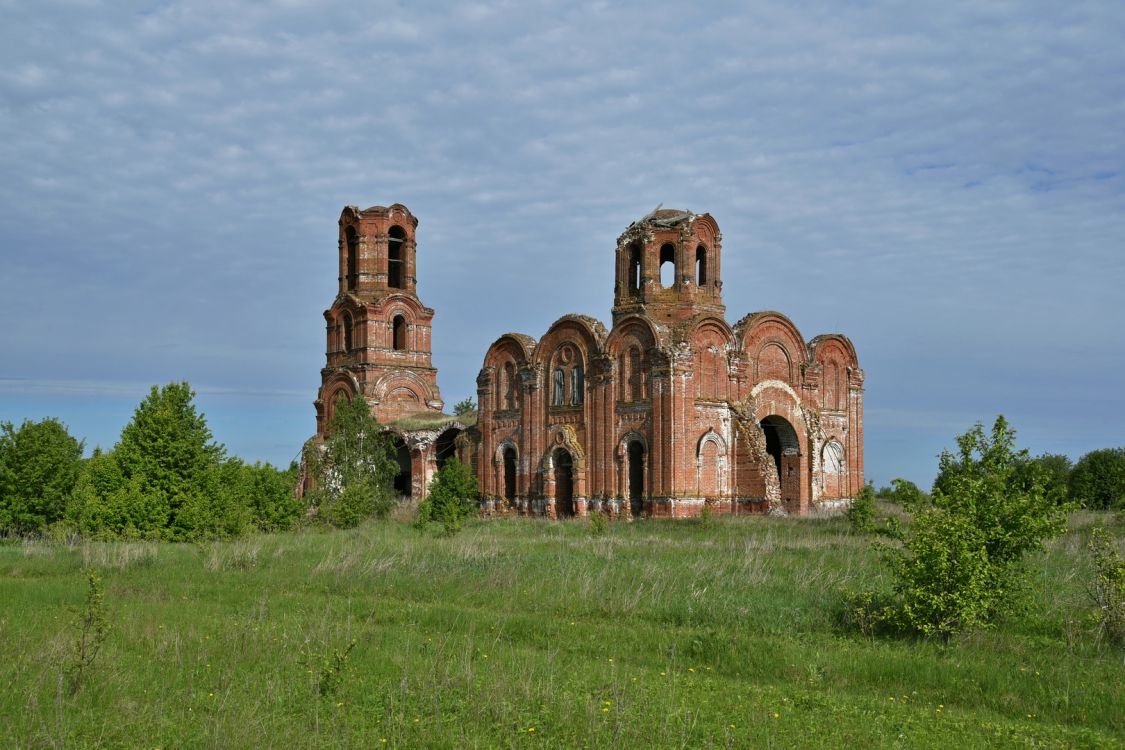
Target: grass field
(528,633)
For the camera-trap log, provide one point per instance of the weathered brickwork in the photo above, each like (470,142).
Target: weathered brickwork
(673,408)
(378,344)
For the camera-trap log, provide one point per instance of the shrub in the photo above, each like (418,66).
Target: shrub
(91,629)
(599,522)
(861,512)
(1108,589)
(39,467)
(452,495)
(961,564)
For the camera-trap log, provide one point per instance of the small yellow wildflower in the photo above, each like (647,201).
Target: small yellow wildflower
(776,715)
(531,729)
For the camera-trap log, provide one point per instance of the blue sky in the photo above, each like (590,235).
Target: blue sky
(944,183)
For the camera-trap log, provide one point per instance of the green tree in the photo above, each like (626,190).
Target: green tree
(861,512)
(464,407)
(962,562)
(354,469)
(1098,479)
(39,466)
(1054,468)
(452,495)
(167,450)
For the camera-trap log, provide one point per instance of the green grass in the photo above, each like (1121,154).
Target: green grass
(528,633)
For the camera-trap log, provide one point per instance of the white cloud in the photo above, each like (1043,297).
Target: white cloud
(946,176)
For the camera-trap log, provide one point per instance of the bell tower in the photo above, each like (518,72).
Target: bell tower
(668,267)
(378,330)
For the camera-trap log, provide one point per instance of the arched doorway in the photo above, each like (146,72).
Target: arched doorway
(564,483)
(636,459)
(445,447)
(509,472)
(403,483)
(785,449)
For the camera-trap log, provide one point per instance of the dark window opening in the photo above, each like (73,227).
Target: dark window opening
(348,333)
(564,484)
(577,386)
(509,472)
(403,480)
(353,251)
(395,262)
(701,265)
(667,266)
(636,477)
(398,333)
(558,396)
(634,268)
(446,446)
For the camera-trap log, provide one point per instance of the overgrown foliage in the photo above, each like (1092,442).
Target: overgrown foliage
(451,497)
(861,512)
(1108,587)
(354,469)
(464,406)
(1098,479)
(91,629)
(962,562)
(39,465)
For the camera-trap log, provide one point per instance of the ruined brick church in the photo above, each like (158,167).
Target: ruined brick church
(669,411)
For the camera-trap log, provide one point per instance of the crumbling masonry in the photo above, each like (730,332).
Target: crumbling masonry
(669,411)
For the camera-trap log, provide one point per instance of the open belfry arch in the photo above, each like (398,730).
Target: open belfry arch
(673,409)
(378,343)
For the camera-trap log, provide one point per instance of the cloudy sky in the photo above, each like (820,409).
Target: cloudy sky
(943,182)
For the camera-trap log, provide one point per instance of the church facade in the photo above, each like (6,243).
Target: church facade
(672,408)
(377,335)
(667,412)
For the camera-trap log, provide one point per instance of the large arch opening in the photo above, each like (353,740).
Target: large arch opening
(784,448)
(636,459)
(403,483)
(564,483)
(509,472)
(667,266)
(396,242)
(445,447)
(701,266)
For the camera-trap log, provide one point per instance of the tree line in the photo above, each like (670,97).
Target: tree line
(167,478)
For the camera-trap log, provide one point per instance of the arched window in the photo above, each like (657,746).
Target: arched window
(352,241)
(558,396)
(632,377)
(577,385)
(348,333)
(701,265)
(510,392)
(667,266)
(634,267)
(396,242)
(398,333)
